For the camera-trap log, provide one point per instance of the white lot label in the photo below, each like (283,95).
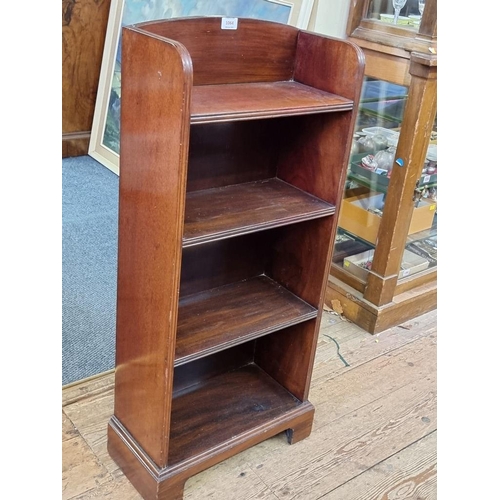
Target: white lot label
(229,23)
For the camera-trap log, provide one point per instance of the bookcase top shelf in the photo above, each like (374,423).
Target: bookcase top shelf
(243,101)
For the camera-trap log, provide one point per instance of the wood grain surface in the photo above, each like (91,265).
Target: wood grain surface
(223,407)
(243,208)
(216,319)
(83,31)
(232,56)
(151,193)
(243,101)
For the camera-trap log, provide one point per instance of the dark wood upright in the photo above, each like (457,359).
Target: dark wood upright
(83,34)
(233,157)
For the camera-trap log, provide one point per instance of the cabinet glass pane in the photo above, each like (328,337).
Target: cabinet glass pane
(424,242)
(403,13)
(375,140)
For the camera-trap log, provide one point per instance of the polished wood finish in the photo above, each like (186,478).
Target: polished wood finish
(226,406)
(168,484)
(380,64)
(219,263)
(190,375)
(387,47)
(374,432)
(83,32)
(75,144)
(405,57)
(151,208)
(233,161)
(213,103)
(215,149)
(233,56)
(235,313)
(278,354)
(229,211)
(403,284)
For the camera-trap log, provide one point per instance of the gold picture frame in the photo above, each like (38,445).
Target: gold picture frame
(104,136)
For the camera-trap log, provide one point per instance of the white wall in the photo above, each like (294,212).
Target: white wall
(331,17)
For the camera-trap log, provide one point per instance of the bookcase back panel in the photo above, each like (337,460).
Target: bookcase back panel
(222,262)
(186,377)
(223,154)
(232,55)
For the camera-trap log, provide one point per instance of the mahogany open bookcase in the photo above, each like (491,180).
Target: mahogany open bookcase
(233,157)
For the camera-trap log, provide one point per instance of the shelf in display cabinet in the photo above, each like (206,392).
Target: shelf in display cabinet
(380,182)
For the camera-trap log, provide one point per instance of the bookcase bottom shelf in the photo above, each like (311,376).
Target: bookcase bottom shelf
(212,421)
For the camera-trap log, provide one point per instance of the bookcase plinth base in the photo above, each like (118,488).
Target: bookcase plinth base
(155,483)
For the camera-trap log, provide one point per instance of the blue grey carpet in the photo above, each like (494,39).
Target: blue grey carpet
(89,256)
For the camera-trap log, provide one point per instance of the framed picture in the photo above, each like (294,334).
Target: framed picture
(105,134)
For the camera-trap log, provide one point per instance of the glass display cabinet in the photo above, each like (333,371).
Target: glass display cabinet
(384,268)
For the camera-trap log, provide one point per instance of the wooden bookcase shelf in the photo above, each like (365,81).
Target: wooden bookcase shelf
(235,313)
(234,210)
(214,103)
(232,165)
(246,398)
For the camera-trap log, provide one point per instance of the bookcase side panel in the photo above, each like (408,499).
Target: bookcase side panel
(336,66)
(299,261)
(288,356)
(156,90)
(314,160)
(329,64)
(298,258)
(312,153)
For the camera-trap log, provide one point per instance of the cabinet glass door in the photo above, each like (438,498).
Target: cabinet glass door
(372,159)
(403,13)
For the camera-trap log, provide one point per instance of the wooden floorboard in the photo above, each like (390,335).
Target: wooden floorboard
(410,473)
(373,438)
